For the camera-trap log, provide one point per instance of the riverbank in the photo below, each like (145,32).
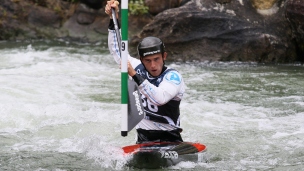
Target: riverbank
(267,31)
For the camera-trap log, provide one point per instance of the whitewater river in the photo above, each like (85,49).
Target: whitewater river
(60,110)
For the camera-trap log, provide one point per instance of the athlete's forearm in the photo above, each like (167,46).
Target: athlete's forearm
(160,95)
(113,46)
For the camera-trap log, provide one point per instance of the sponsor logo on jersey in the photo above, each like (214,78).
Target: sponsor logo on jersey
(137,103)
(173,77)
(140,72)
(158,80)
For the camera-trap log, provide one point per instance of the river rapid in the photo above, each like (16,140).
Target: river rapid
(60,110)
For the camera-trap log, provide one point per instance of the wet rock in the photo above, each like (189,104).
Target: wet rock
(295,15)
(7,5)
(85,18)
(251,30)
(222,1)
(21,20)
(263,4)
(42,3)
(158,6)
(183,2)
(44,17)
(87,24)
(94,4)
(205,30)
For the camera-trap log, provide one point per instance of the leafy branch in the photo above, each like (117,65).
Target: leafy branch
(138,7)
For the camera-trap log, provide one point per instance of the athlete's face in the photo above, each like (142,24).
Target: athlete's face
(154,63)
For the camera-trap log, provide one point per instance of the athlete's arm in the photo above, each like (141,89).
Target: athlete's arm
(114,48)
(112,37)
(113,43)
(172,87)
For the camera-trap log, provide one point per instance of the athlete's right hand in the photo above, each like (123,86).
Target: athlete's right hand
(131,71)
(112,4)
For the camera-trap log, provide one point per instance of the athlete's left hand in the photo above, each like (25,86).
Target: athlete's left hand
(112,4)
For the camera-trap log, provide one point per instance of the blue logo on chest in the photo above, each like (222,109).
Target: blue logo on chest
(173,77)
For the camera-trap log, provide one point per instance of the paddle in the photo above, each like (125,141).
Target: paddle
(135,108)
(132,112)
(116,29)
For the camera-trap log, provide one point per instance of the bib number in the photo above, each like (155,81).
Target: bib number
(148,104)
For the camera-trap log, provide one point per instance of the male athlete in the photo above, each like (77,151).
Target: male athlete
(162,88)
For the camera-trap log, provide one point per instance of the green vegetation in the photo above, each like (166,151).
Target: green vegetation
(138,7)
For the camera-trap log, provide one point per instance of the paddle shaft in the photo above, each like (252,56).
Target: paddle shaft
(124,79)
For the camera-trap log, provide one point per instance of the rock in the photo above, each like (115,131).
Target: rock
(158,6)
(137,22)
(44,17)
(7,6)
(222,1)
(204,30)
(42,3)
(12,16)
(295,15)
(84,18)
(183,2)
(263,4)
(94,4)
(192,30)
(87,24)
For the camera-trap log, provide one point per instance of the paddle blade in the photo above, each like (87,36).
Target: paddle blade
(135,108)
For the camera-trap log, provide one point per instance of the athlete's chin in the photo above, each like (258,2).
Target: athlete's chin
(154,73)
